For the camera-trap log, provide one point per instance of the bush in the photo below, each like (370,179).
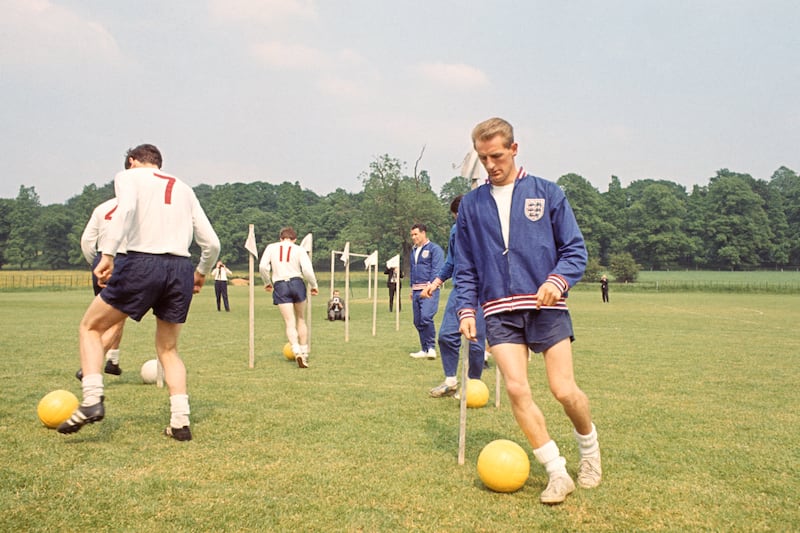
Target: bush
(624,267)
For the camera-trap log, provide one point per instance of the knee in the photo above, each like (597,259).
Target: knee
(449,340)
(518,390)
(567,394)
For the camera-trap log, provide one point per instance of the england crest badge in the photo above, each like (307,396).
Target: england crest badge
(534,208)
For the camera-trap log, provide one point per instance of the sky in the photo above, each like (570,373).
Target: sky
(313,91)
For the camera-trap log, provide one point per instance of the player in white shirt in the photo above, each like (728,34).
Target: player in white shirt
(94,230)
(284,267)
(159,215)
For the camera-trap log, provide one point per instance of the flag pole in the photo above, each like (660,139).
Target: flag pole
(251,305)
(375,298)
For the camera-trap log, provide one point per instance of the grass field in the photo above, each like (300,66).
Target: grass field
(693,394)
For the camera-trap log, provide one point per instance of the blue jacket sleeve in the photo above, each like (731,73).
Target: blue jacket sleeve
(446,272)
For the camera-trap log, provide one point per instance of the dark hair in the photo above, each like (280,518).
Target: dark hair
(288,233)
(455,203)
(144,153)
(420,227)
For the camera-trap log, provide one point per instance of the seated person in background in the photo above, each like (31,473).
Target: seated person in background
(336,307)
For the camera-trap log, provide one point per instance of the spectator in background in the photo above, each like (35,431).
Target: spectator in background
(336,307)
(394,284)
(604,288)
(220,274)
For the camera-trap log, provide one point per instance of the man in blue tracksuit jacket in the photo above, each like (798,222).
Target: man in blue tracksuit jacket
(449,334)
(426,260)
(518,251)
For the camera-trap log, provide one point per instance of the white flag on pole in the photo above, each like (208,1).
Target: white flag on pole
(250,243)
(393,262)
(346,253)
(371,259)
(472,169)
(308,243)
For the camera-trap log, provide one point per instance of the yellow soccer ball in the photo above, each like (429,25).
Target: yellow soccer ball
(56,407)
(477,393)
(287,351)
(503,466)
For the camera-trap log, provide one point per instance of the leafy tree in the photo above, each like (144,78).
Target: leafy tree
(587,204)
(623,267)
(454,187)
(6,206)
(593,270)
(654,234)
(786,183)
(737,228)
(614,212)
(53,224)
(391,204)
(24,239)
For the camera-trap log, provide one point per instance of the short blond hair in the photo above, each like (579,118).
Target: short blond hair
(492,127)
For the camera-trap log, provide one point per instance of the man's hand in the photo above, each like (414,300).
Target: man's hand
(104,269)
(467,328)
(548,295)
(268,287)
(199,281)
(314,292)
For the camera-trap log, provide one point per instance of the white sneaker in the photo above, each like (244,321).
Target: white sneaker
(557,490)
(422,354)
(431,353)
(590,472)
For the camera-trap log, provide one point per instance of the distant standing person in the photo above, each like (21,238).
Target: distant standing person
(160,216)
(394,283)
(604,288)
(518,251)
(427,259)
(220,274)
(92,233)
(449,335)
(284,267)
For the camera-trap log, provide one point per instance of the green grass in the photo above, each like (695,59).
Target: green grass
(693,396)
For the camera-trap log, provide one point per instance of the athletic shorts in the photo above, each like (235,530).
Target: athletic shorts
(289,292)
(161,282)
(539,330)
(118,260)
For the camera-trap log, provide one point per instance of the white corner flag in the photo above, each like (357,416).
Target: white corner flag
(393,262)
(371,259)
(250,243)
(308,243)
(346,253)
(252,248)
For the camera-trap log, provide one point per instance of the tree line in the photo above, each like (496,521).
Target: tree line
(735,222)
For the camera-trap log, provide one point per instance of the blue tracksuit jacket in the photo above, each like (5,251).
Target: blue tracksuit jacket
(545,245)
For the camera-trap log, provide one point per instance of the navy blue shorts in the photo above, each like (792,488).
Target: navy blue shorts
(289,292)
(163,283)
(118,260)
(540,329)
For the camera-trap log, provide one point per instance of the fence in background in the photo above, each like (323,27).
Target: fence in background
(44,280)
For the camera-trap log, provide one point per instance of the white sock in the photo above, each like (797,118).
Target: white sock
(113,356)
(92,389)
(303,349)
(588,444)
(549,456)
(451,381)
(296,349)
(179,410)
